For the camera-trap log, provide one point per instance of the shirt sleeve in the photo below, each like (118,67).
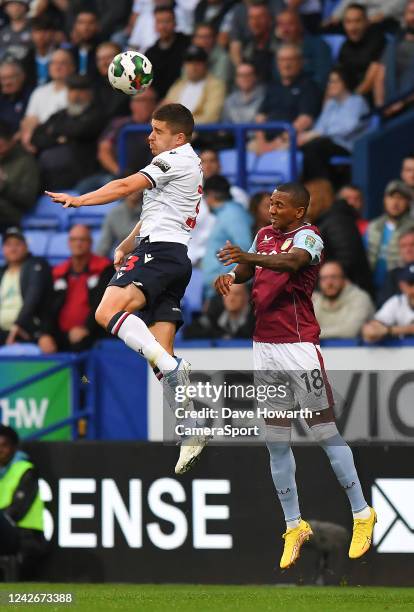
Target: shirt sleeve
(160,171)
(387,314)
(253,248)
(309,241)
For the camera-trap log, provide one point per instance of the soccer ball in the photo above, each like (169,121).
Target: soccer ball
(130,72)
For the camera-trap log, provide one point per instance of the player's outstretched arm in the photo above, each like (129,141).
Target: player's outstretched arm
(112,191)
(281,262)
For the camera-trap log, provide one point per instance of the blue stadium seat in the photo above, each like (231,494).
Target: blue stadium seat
(228,163)
(193,298)
(48,215)
(38,241)
(20,349)
(335,42)
(58,248)
(92,216)
(271,168)
(328,6)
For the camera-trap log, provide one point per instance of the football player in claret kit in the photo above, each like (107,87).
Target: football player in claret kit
(284,260)
(151,277)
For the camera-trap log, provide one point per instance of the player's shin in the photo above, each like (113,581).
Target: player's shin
(342,462)
(283,468)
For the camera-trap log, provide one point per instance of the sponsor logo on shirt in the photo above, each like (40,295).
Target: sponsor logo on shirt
(162,165)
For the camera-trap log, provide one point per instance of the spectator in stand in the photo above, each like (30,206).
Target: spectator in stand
(317,58)
(296,99)
(256,47)
(361,52)
(354,197)
(50,98)
(201,92)
(383,232)
(79,284)
(310,13)
(113,103)
(167,55)
(212,12)
(339,125)
(406,254)
(138,154)
(336,221)
(382,13)
(21,507)
(236,21)
(44,42)
(396,71)
(341,308)
(243,104)
(19,179)
(395,318)
(260,210)
(112,15)
(219,64)
(233,223)
(119,223)
(66,142)
(210,164)
(15,93)
(407,176)
(25,288)
(227,318)
(84,39)
(15,39)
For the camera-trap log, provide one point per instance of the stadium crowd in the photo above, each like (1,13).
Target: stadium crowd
(229,62)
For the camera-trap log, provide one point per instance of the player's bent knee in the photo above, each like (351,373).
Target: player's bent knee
(324,431)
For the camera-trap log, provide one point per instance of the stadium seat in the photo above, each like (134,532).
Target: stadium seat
(272,167)
(328,6)
(92,216)
(38,241)
(58,248)
(193,298)
(48,215)
(335,42)
(228,163)
(20,349)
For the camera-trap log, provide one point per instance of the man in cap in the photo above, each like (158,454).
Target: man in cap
(201,92)
(25,287)
(383,232)
(396,317)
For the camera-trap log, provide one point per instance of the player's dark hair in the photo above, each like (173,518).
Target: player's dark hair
(299,194)
(178,118)
(164,8)
(408,156)
(357,7)
(9,433)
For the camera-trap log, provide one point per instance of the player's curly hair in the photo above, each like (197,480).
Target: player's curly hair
(178,118)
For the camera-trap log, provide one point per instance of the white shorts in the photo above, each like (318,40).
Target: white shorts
(299,366)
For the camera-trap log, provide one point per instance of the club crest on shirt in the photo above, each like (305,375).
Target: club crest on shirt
(163,165)
(310,241)
(286,244)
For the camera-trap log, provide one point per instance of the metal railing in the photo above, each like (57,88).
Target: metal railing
(239,131)
(78,412)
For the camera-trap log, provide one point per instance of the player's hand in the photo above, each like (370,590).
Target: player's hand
(231,254)
(119,258)
(65,199)
(223,283)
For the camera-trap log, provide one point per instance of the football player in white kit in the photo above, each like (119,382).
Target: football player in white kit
(151,277)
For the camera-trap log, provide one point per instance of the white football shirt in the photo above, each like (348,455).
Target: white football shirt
(170,208)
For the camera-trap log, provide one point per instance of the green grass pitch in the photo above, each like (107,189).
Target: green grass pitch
(202,598)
